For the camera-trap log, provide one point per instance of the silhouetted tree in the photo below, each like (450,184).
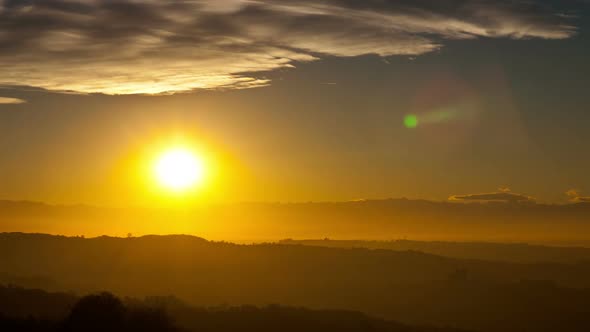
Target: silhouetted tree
(105,312)
(99,312)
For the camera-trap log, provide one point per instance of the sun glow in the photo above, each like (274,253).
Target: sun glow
(179,169)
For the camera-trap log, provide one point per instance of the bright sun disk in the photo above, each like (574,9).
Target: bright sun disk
(179,169)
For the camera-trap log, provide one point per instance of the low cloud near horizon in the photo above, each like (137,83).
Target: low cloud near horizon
(576,197)
(503,195)
(153,47)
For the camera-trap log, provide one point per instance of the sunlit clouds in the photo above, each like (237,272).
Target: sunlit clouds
(155,47)
(576,197)
(11,101)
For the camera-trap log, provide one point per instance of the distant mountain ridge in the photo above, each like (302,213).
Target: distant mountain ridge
(567,224)
(510,252)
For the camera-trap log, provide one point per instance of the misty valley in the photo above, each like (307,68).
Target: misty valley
(198,284)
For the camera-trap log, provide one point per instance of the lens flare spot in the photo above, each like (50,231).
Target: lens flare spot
(411,121)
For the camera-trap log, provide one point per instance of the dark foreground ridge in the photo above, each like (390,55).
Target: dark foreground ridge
(25,310)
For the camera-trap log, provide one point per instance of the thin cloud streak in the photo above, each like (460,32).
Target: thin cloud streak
(503,195)
(11,101)
(576,197)
(155,47)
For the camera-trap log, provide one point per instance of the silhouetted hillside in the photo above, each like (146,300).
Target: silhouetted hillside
(372,219)
(510,252)
(21,302)
(104,312)
(407,286)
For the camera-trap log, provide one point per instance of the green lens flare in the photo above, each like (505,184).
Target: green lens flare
(411,121)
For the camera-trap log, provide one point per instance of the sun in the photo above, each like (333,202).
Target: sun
(179,169)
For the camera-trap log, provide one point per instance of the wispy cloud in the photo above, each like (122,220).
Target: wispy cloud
(8,100)
(502,195)
(576,196)
(167,46)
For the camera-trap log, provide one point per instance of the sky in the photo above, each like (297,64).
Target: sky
(296,100)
